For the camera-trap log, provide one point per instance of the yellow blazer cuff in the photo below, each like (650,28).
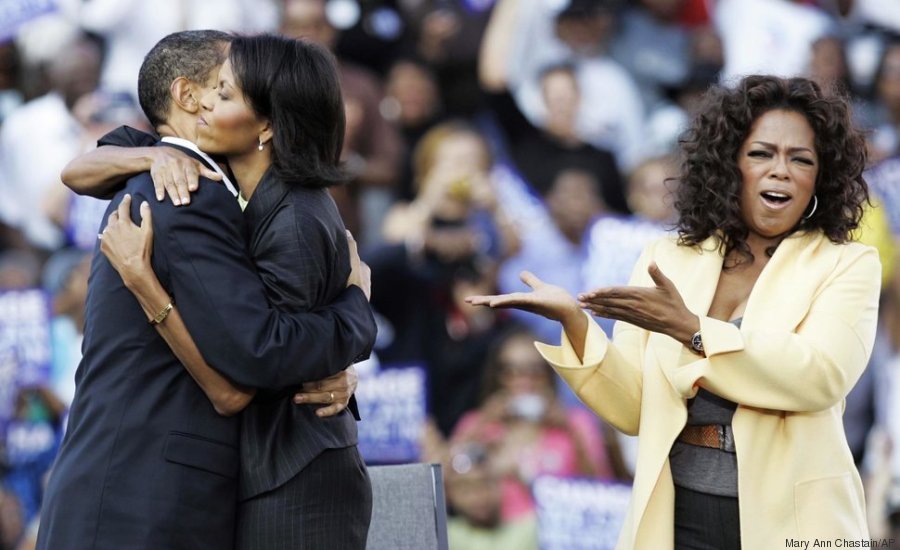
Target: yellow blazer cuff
(564,357)
(718,337)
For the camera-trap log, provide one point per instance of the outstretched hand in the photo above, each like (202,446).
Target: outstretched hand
(544,299)
(659,308)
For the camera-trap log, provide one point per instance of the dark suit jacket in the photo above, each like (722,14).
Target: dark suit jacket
(146,461)
(299,246)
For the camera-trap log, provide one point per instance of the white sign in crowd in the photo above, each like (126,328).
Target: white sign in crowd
(25,351)
(579,514)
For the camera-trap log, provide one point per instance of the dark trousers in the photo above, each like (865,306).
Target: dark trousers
(706,522)
(327,505)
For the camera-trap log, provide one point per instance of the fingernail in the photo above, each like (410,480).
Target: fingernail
(299,399)
(160,196)
(177,201)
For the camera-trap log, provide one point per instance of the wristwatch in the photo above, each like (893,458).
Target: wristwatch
(697,343)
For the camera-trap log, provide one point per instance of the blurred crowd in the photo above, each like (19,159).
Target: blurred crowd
(484,137)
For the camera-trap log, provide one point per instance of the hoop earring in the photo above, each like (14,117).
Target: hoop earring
(813,211)
(260,144)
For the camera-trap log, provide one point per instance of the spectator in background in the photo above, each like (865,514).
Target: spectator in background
(828,64)
(524,39)
(37,140)
(372,145)
(653,45)
(447,34)
(450,236)
(670,117)
(425,320)
(413,102)
(650,190)
(65,277)
(458,344)
(455,213)
(540,153)
(573,202)
(32,441)
(526,430)
(475,498)
(886,140)
(829,67)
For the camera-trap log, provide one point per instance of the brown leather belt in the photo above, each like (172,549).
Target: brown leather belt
(714,436)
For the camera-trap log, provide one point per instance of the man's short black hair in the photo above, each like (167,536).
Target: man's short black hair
(191,54)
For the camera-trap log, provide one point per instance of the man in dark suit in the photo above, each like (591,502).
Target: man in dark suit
(147,462)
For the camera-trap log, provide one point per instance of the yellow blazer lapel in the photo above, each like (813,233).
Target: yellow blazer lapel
(781,297)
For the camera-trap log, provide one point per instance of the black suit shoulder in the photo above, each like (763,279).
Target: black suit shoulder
(301,251)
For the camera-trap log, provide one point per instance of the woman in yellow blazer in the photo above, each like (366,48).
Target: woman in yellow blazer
(738,339)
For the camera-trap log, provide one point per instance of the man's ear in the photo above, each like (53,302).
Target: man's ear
(184,94)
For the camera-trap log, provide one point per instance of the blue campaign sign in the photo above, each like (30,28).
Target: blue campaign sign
(24,344)
(15,12)
(579,514)
(392,407)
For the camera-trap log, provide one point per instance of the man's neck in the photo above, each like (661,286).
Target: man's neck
(179,126)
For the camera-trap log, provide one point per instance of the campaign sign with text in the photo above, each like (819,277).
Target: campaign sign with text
(579,514)
(392,407)
(24,344)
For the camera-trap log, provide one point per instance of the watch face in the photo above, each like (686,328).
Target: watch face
(697,342)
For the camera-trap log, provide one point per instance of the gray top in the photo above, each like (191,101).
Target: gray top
(705,469)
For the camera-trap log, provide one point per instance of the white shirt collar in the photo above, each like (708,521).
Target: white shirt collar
(212,164)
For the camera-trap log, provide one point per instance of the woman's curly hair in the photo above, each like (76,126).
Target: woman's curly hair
(708,198)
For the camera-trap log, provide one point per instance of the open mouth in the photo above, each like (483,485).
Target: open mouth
(775,199)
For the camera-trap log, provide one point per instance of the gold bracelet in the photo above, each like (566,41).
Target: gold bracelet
(164,312)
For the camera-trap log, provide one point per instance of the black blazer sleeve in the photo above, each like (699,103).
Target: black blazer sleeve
(202,252)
